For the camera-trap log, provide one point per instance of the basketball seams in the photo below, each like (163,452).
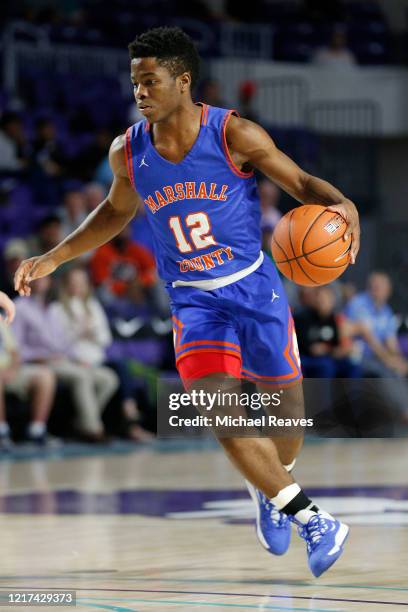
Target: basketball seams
(311,252)
(310,227)
(293,250)
(284,252)
(328,267)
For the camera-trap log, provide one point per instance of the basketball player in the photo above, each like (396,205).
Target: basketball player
(191,167)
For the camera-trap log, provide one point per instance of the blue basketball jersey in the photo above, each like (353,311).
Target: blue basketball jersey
(204,212)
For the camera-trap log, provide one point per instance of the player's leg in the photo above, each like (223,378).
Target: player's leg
(258,461)
(207,345)
(270,358)
(293,406)
(272,526)
(256,458)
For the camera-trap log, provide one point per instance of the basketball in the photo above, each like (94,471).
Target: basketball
(308,245)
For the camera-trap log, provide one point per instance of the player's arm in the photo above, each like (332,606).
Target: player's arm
(105,222)
(251,144)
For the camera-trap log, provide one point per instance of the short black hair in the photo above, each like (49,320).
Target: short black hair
(173,49)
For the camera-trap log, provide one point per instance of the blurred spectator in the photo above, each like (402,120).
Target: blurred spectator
(47,152)
(269,195)
(123,268)
(299,297)
(85,163)
(94,194)
(14,149)
(43,338)
(49,234)
(103,173)
(83,318)
(336,55)
(379,348)
(246,94)
(48,163)
(324,338)
(14,252)
(348,291)
(30,381)
(73,211)
(267,232)
(209,93)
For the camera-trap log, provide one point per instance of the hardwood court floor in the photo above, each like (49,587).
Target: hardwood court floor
(172,529)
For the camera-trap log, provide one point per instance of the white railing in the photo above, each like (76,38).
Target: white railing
(8,44)
(246,41)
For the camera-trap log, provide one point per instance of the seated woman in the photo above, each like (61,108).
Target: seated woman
(84,319)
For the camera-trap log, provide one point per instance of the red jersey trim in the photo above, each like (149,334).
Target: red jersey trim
(228,157)
(129,157)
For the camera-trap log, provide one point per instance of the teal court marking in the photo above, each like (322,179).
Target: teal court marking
(106,607)
(200,603)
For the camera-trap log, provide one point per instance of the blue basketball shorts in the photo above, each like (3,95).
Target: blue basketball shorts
(244,329)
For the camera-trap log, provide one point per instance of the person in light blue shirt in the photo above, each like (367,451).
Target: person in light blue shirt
(377,343)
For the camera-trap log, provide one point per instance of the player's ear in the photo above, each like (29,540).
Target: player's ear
(184,81)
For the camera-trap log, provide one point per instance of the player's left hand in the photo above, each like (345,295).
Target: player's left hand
(8,307)
(349,212)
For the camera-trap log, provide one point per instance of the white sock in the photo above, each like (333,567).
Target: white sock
(286,495)
(4,428)
(36,429)
(290,467)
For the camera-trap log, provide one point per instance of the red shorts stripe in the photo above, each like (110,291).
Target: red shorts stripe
(196,365)
(208,350)
(220,343)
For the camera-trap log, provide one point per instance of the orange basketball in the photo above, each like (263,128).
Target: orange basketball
(308,245)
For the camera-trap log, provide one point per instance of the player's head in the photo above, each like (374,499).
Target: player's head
(164,70)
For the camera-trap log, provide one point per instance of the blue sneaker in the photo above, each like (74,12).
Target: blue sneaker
(324,537)
(272,527)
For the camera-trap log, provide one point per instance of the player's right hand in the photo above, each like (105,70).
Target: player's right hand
(30,269)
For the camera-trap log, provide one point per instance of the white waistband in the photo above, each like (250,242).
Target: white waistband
(221,281)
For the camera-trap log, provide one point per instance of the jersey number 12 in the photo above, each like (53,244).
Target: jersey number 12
(199,226)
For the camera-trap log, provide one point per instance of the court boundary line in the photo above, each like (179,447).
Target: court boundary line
(302,597)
